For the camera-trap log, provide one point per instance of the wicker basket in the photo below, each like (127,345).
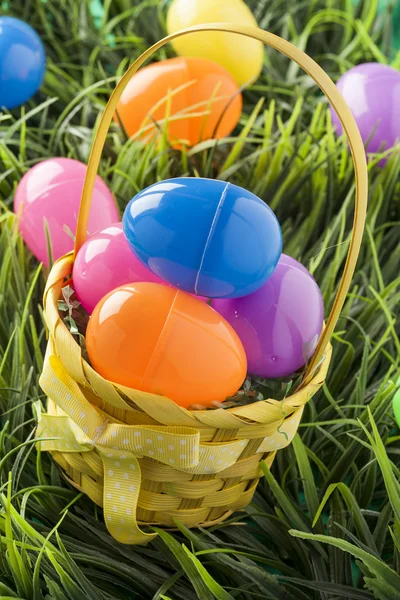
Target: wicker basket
(140,456)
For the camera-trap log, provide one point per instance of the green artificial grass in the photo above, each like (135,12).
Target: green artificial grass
(325,521)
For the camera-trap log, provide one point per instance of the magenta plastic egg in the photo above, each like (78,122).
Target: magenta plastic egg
(372,91)
(50,193)
(104,263)
(280,324)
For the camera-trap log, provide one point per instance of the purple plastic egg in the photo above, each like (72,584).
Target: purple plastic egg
(372,92)
(280,324)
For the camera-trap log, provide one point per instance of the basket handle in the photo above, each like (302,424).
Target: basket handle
(335,98)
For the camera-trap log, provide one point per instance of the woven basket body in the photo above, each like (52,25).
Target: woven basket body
(140,456)
(167,462)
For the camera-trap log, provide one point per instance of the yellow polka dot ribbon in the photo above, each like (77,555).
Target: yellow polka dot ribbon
(79,426)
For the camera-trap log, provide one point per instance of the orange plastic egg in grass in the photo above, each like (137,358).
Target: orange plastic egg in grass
(194,98)
(158,339)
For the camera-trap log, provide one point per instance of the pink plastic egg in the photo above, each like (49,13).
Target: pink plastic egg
(50,193)
(104,263)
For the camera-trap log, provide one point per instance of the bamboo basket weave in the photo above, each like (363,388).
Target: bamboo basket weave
(140,456)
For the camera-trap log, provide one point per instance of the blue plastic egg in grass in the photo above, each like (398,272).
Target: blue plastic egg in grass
(22,62)
(204,236)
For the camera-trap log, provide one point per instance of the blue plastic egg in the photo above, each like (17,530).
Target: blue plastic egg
(207,237)
(22,62)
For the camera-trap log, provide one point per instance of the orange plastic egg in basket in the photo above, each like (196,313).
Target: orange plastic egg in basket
(155,338)
(142,457)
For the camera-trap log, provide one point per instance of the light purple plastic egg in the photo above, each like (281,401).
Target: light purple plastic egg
(280,324)
(372,92)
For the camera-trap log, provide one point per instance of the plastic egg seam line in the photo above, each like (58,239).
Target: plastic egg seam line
(160,339)
(221,339)
(211,232)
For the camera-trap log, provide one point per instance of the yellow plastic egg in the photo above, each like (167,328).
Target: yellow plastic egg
(240,55)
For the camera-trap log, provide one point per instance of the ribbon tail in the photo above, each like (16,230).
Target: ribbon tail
(122,478)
